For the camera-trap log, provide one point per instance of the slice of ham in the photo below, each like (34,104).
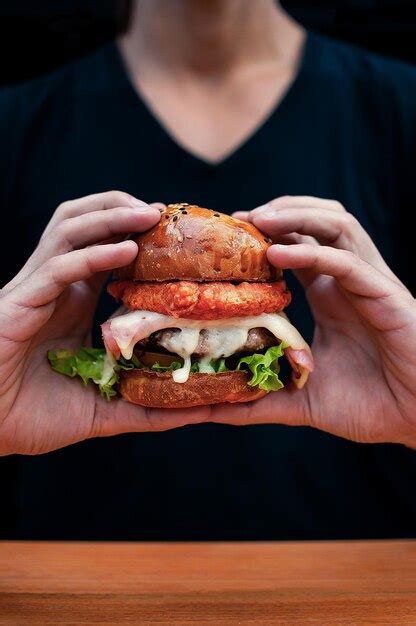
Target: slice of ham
(116,333)
(301,362)
(110,343)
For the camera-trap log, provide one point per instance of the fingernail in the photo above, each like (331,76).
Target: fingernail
(239,215)
(159,205)
(145,208)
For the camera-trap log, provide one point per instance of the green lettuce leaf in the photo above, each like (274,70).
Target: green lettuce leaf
(166,368)
(218,365)
(265,368)
(174,366)
(88,364)
(132,364)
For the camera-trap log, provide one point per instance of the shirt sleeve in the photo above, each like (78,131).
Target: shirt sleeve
(10,130)
(407,217)
(406,113)
(396,89)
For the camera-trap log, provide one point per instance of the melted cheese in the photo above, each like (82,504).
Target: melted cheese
(224,337)
(223,342)
(218,342)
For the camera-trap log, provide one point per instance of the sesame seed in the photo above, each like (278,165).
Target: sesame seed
(184,212)
(175,217)
(216,214)
(178,205)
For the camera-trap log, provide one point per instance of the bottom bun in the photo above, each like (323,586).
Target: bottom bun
(157,390)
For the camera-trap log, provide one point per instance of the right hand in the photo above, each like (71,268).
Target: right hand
(50,304)
(363,387)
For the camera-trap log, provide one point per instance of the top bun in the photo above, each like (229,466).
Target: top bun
(192,243)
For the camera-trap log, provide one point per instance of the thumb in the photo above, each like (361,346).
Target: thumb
(288,406)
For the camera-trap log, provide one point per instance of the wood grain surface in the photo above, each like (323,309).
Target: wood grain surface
(215,584)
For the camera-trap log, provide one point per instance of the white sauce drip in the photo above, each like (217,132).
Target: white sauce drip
(108,369)
(204,366)
(218,342)
(226,336)
(184,344)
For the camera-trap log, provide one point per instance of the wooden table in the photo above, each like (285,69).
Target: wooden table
(215,584)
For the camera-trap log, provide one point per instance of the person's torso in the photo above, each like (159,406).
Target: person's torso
(329,137)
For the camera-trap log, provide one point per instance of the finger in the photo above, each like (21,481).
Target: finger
(86,229)
(288,406)
(341,230)
(145,214)
(361,282)
(241,215)
(293,202)
(296,238)
(289,237)
(300,202)
(147,219)
(120,417)
(158,205)
(48,282)
(91,228)
(305,277)
(32,302)
(94,202)
(325,220)
(338,229)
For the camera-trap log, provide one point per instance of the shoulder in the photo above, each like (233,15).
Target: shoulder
(378,91)
(353,67)
(34,109)
(363,64)
(22,102)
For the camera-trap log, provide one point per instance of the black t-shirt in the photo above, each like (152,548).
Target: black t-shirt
(346,130)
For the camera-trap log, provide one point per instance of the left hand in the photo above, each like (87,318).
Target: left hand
(50,304)
(364,384)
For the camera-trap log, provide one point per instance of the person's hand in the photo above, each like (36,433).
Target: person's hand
(364,384)
(50,304)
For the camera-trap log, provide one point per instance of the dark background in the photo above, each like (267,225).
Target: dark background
(36,37)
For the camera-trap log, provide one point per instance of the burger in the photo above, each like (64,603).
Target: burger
(202,318)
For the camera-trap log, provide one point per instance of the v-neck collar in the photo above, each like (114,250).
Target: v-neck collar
(283,103)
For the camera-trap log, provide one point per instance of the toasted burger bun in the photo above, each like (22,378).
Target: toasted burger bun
(159,390)
(192,243)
